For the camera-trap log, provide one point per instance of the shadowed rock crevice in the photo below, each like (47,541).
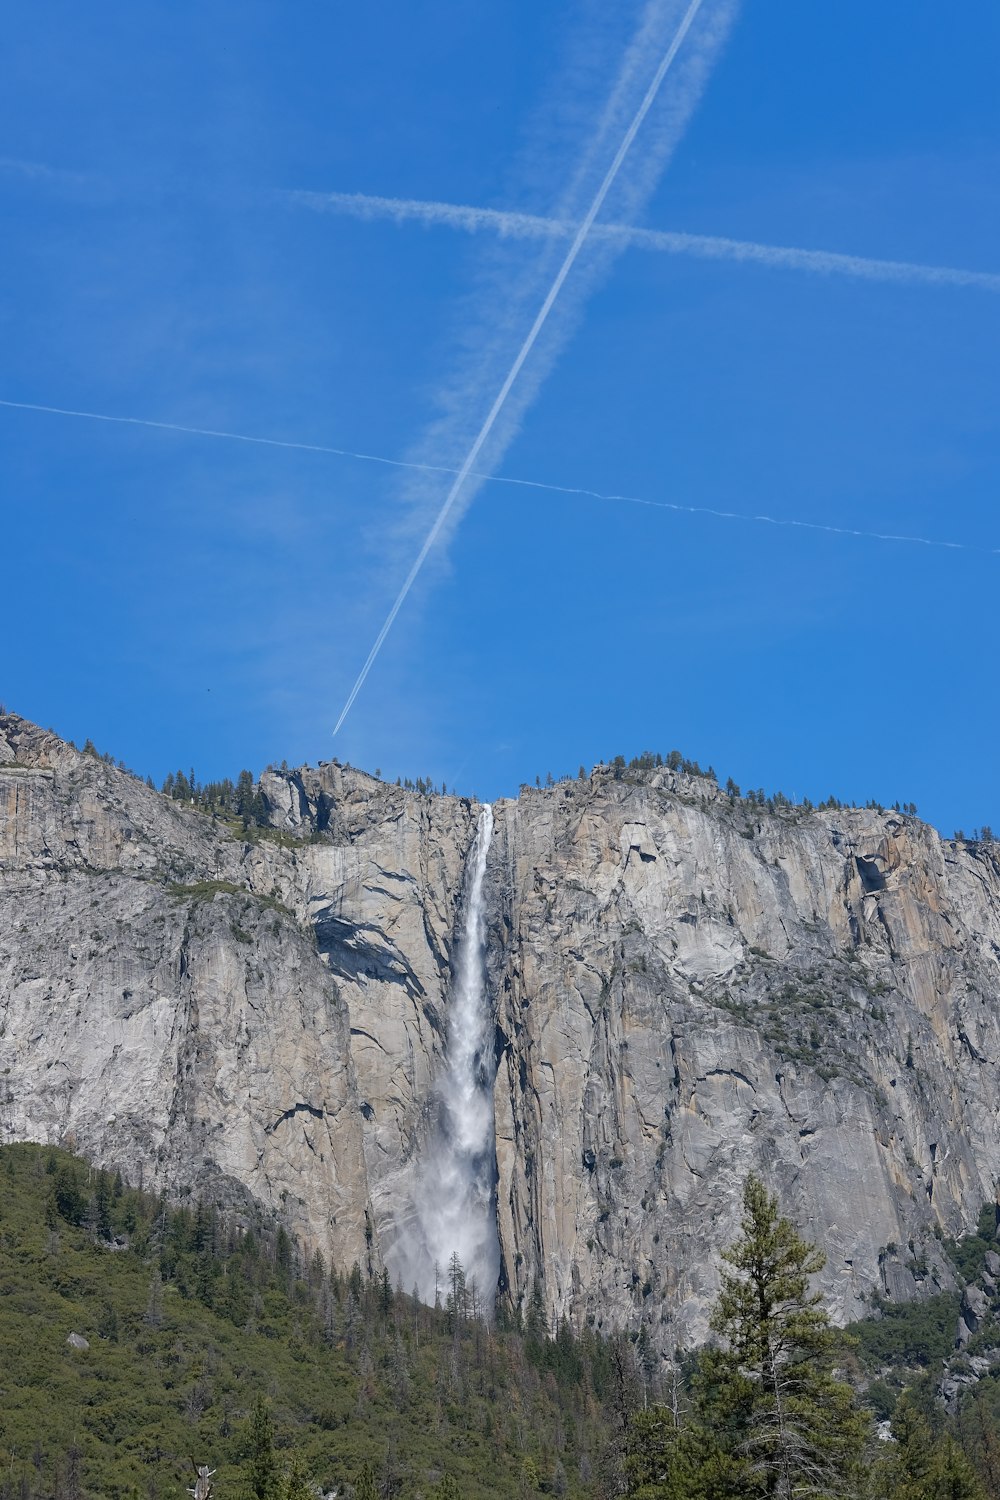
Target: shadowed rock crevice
(296,1109)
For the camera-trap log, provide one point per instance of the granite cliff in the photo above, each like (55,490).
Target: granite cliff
(685,985)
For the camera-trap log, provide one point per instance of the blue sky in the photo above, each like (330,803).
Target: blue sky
(185,600)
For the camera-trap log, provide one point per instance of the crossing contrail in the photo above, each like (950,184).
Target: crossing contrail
(513,225)
(733,515)
(231,437)
(529,342)
(532,484)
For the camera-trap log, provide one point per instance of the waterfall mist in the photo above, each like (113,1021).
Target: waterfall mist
(454,1208)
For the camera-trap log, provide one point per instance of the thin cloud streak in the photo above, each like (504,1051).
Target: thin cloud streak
(37,171)
(523,226)
(530,340)
(532,484)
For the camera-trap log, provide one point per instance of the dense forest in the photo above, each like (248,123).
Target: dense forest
(138,1338)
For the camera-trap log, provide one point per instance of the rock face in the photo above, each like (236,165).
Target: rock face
(686,987)
(157,1014)
(691,988)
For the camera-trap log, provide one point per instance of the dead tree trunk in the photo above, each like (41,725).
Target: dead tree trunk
(203,1482)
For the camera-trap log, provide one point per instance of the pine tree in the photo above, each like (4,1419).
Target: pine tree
(455,1303)
(153,1316)
(651,1457)
(919,1467)
(70,1199)
(952,1476)
(665,1461)
(246,800)
(295,1485)
(262,1476)
(789,1426)
(366,1488)
(535,1325)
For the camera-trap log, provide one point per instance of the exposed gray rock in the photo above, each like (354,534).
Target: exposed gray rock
(962,1372)
(159,1016)
(975,1309)
(690,988)
(950,1391)
(686,986)
(77,1341)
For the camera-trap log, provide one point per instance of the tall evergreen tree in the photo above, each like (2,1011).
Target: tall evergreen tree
(919,1466)
(770,1420)
(667,1460)
(456,1290)
(262,1468)
(952,1475)
(295,1485)
(791,1427)
(366,1488)
(244,798)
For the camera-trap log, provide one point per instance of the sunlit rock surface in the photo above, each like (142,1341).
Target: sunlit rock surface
(692,988)
(685,987)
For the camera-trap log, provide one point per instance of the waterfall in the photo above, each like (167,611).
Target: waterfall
(454,1208)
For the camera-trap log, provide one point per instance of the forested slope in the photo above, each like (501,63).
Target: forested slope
(188,1318)
(137,1337)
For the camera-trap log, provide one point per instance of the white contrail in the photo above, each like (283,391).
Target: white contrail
(478,474)
(513,225)
(526,347)
(733,515)
(232,437)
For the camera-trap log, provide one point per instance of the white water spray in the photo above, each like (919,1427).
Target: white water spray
(455,1211)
